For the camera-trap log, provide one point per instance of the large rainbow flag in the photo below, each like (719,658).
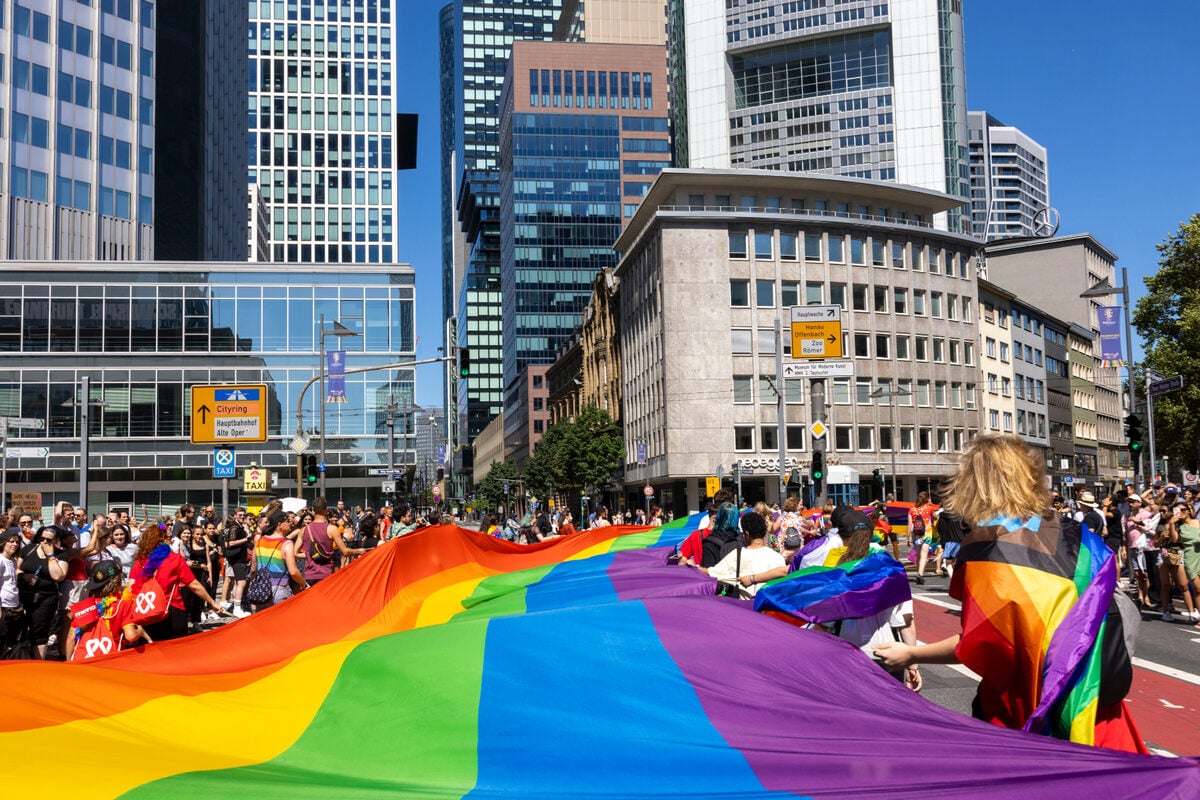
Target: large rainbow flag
(452,665)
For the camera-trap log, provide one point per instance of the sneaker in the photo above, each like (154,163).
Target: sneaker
(240,612)
(1194,615)
(1168,617)
(920,580)
(227,605)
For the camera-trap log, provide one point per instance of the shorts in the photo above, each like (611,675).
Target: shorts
(240,570)
(951,549)
(1139,559)
(42,613)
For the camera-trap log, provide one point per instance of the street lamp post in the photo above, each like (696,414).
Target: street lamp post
(338,329)
(891,394)
(84,434)
(1103,289)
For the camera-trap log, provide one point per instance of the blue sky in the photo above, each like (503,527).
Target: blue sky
(1109,88)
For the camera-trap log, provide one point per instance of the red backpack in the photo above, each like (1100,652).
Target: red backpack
(150,602)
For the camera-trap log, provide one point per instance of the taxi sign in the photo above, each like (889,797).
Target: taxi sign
(816,332)
(256,480)
(229,414)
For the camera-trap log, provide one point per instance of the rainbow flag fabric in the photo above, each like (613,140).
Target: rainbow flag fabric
(852,590)
(448,664)
(1034,604)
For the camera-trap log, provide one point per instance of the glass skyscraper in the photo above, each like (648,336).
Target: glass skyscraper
(77,138)
(321,118)
(579,148)
(477,39)
(1010,188)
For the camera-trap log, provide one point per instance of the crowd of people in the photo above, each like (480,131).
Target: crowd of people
(63,582)
(75,588)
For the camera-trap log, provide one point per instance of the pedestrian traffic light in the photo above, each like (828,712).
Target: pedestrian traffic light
(464,362)
(878,479)
(1134,434)
(310,470)
(816,471)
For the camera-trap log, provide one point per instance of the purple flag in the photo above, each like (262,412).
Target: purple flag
(335,370)
(1109,320)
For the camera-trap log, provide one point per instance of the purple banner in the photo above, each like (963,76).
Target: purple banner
(335,371)
(1109,320)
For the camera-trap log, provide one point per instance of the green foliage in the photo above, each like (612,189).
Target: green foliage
(585,452)
(1168,320)
(490,492)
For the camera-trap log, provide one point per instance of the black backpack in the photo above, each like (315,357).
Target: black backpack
(717,545)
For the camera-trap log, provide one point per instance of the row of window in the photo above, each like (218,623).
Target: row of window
(880,299)
(1027,388)
(360,11)
(590,89)
(919,256)
(306,188)
(325,77)
(31,77)
(851,438)
(33,24)
(1028,424)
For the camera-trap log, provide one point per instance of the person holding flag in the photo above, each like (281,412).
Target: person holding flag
(1040,623)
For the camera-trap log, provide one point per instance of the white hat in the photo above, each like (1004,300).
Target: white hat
(1088,499)
(1134,498)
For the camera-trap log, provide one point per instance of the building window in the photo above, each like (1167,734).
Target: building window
(766,342)
(939,394)
(743,389)
(862,391)
(837,295)
(907,439)
(922,348)
(763,246)
(739,294)
(902,347)
(866,438)
(793,390)
(877,254)
(900,300)
(939,350)
(858,251)
(859,293)
(739,341)
(919,302)
(862,345)
(1008,422)
(841,391)
(787,246)
(842,437)
(743,437)
(769,438)
(789,293)
(1004,352)
(923,393)
(766,390)
(905,385)
(926,439)
(915,257)
(837,254)
(764,294)
(812,247)
(538,426)
(897,255)
(795,437)
(737,244)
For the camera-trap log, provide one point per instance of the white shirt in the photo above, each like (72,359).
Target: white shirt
(8,583)
(754,559)
(867,632)
(816,557)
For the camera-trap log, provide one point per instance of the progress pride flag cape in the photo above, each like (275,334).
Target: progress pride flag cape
(448,664)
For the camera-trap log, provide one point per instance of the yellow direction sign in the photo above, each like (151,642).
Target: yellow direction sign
(712,485)
(229,414)
(816,332)
(256,480)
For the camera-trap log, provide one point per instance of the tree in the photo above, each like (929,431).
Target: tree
(587,452)
(1168,320)
(491,489)
(539,467)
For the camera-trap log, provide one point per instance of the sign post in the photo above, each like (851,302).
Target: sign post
(229,414)
(816,332)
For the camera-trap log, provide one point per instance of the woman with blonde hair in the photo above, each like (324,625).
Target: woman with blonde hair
(1038,606)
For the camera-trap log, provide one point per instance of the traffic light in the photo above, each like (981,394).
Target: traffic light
(878,479)
(816,471)
(1133,432)
(441,474)
(464,362)
(310,470)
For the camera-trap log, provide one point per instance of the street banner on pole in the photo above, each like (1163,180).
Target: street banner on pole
(1109,320)
(335,370)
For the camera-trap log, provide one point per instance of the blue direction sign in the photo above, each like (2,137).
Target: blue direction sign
(224,463)
(321,466)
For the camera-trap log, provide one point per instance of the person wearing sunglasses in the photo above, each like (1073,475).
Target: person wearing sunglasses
(39,573)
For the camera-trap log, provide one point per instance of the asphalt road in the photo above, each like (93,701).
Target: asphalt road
(1164,700)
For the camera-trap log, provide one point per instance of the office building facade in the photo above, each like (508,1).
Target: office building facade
(78,130)
(146,333)
(1010,185)
(321,135)
(699,376)
(475,43)
(859,88)
(200,157)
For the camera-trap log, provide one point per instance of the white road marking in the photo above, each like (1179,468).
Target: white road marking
(1168,703)
(1161,669)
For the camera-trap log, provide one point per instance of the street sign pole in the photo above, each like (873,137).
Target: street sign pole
(1150,432)
(224,498)
(84,433)
(782,421)
(4,466)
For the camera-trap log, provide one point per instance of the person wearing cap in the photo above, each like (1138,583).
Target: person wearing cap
(104,587)
(1139,541)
